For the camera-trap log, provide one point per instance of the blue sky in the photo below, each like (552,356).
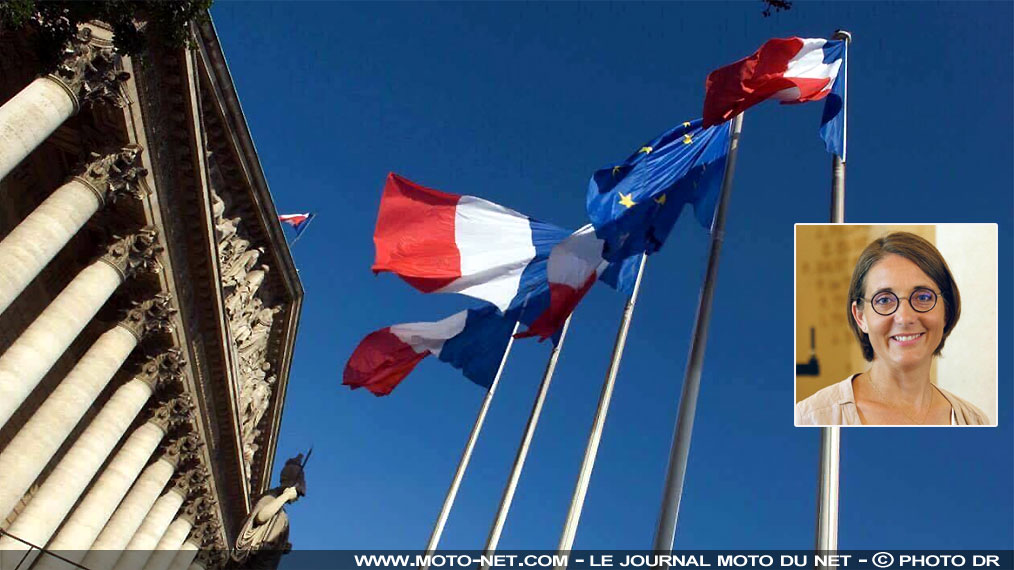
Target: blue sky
(519,103)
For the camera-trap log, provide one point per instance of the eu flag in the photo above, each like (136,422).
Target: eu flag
(633,205)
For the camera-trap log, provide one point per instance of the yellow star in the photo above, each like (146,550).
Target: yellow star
(616,170)
(626,200)
(660,200)
(646,149)
(687,139)
(686,124)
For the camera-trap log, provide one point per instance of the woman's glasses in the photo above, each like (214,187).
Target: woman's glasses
(921,300)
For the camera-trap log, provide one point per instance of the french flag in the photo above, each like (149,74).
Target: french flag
(790,70)
(472,341)
(297,221)
(447,243)
(572,268)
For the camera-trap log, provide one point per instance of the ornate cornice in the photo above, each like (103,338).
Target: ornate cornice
(135,253)
(116,175)
(163,369)
(151,316)
(88,72)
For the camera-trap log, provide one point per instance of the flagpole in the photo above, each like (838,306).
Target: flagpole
(466,456)
(830,437)
(519,460)
(672,491)
(584,475)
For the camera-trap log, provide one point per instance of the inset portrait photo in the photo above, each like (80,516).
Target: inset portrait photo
(896,325)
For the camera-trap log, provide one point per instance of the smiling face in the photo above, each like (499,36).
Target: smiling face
(905,339)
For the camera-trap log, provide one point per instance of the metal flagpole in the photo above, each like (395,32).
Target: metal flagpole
(519,460)
(584,475)
(445,511)
(672,491)
(830,437)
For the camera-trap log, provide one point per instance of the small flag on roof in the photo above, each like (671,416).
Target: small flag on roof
(297,221)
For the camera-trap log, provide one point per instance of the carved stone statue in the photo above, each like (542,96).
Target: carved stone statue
(258,403)
(259,330)
(236,271)
(217,204)
(250,379)
(230,249)
(264,537)
(246,289)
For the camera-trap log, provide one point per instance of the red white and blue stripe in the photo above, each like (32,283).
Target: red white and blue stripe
(446,243)
(472,341)
(571,269)
(790,70)
(297,221)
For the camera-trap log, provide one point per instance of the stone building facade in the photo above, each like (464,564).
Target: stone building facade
(148,307)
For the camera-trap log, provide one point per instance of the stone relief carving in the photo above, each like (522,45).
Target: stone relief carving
(243,274)
(91,72)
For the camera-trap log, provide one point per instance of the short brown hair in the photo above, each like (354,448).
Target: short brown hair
(926,257)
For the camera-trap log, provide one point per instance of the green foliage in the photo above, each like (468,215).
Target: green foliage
(775,6)
(163,21)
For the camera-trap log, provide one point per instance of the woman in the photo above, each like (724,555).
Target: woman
(903,303)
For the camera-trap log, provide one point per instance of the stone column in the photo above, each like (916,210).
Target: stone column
(188,551)
(86,73)
(114,537)
(173,538)
(39,347)
(212,555)
(93,512)
(68,480)
(157,521)
(31,449)
(30,246)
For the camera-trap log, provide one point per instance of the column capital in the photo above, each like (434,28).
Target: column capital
(149,316)
(173,412)
(205,532)
(134,253)
(191,483)
(90,73)
(183,448)
(191,509)
(116,175)
(213,555)
(163,369)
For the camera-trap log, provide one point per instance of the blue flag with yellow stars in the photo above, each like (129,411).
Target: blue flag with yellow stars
(633,205)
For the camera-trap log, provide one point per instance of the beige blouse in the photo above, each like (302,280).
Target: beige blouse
(836,406)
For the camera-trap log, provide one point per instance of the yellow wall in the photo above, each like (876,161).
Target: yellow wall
(825,257)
